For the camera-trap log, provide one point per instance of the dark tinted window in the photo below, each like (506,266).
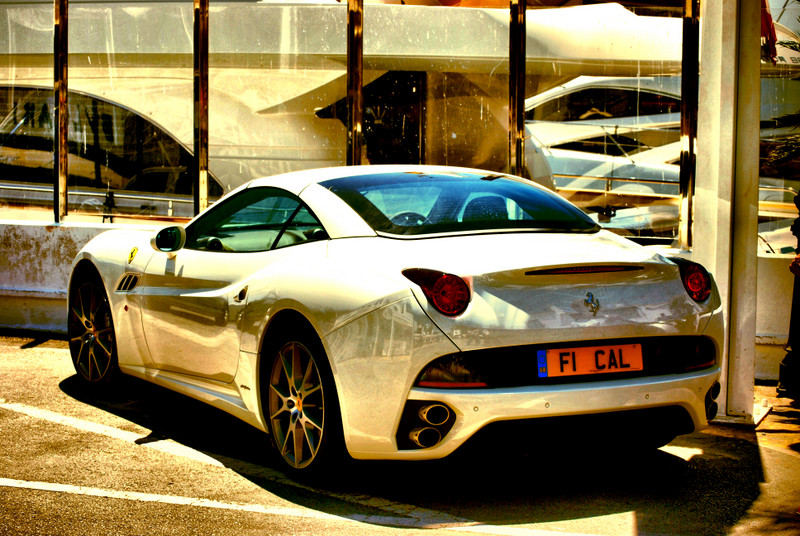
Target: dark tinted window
(421,204)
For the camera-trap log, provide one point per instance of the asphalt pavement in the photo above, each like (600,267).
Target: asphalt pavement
(143,460)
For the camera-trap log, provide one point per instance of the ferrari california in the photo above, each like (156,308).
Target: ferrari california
(394,312)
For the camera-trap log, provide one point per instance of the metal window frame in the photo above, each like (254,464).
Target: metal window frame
(690,84)
(200,77)
(517,57)
(61,111)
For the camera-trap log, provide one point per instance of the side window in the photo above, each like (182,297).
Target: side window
(256,219)
(303,227)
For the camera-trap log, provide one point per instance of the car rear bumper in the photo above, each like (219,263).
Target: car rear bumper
(474,410)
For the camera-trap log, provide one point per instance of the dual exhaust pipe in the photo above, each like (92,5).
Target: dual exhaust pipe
(711,401)
(433,415)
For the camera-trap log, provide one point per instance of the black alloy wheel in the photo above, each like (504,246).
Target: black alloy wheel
(91,333)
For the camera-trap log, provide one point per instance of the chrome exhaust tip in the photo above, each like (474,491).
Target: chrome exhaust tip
(425,437)
(434,414)
(711,405)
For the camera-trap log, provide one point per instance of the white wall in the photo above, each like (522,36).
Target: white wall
(773,308)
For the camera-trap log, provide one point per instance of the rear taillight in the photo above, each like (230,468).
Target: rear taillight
(447,293)
(696,280)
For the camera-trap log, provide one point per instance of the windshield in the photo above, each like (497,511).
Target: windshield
(408,203)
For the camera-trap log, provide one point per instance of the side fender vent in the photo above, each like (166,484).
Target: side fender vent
(128,283)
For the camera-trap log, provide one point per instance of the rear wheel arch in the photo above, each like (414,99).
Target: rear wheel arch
(281,321)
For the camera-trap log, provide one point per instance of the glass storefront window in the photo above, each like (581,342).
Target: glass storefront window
(779,165)
(436,91)
(603,111)
(26,120)
(130,110)
(602,108)
(436,85)
(119,162)
(272,67)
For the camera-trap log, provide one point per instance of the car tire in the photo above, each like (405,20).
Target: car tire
(90,327)
(301,407)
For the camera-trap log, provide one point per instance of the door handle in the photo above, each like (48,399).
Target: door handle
(239,298)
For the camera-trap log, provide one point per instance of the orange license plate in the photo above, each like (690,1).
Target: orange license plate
(589,360)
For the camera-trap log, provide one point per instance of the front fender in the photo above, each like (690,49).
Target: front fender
(113,254)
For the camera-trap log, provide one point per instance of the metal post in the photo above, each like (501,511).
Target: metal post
(201,104)
(355,78)
(61,111)
(789,369)
(690,81)
(516,87)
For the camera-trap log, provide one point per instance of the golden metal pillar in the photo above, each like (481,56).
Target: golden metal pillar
(201,104)
(516,88)
(690,82)
(61,111)
(355,79)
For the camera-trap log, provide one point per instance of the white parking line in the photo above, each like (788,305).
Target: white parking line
(261,509)
(412,516)
(162,499)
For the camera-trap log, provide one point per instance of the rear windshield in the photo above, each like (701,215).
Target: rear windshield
(405,203)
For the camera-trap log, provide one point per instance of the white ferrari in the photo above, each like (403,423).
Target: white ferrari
(393,312)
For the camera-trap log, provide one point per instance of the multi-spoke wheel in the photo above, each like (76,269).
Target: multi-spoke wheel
(301,403)
(91,333)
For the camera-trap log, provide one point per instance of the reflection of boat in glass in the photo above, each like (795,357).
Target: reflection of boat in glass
(613,146)
(277,76)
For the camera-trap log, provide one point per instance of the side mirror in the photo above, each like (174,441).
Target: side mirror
(169,240)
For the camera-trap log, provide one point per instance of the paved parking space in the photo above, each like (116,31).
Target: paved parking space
(142,460)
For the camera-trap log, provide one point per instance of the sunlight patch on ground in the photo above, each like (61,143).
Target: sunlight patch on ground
(686,453)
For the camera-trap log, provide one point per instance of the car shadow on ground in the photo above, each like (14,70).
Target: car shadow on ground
(702,484)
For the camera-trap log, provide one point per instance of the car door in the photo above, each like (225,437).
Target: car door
(193,297)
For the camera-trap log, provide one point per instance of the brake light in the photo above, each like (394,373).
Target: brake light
(447,293)
(696,280)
